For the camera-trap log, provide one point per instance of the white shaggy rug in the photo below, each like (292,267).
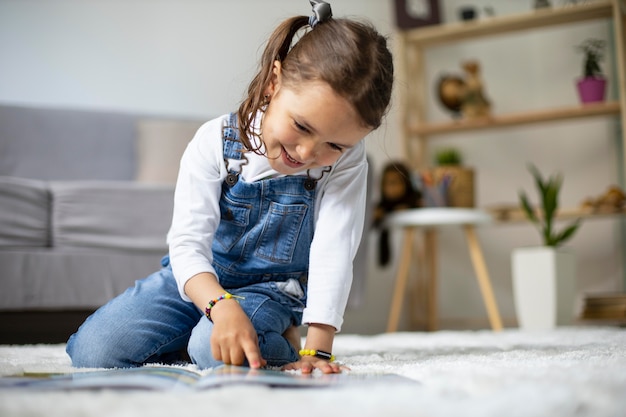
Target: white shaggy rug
(576,371)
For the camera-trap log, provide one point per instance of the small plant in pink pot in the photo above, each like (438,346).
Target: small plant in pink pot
(592,86)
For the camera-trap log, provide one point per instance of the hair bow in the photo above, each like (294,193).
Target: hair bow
(321,12)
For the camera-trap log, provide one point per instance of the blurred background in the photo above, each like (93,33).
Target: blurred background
(194,58)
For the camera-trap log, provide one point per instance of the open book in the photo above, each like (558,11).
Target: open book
(180,378)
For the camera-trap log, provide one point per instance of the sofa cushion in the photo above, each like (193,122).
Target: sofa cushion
(24,212)
(160,145)
(107,214)
(66,144)
(69,278)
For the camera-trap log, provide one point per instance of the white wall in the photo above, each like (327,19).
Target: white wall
(194,58)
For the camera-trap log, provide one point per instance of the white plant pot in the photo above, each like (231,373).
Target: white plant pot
(544,287)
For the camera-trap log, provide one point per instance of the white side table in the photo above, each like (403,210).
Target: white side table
(430,219)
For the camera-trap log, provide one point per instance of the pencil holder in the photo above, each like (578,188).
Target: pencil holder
(459,182)
(435,195)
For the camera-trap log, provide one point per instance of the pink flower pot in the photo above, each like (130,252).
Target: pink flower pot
(591,89)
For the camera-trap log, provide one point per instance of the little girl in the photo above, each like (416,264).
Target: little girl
(268,215)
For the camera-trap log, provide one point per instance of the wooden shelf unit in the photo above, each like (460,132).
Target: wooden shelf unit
(416,129)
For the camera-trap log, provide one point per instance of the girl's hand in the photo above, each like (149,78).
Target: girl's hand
(234,339)
(321,337)
(308,363)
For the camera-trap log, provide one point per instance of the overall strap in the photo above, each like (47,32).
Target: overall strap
(233,148)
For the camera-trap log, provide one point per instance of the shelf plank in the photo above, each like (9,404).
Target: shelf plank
(516,119)
(506,24)
(512,214)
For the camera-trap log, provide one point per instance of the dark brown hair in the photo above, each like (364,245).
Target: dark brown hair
(350,56)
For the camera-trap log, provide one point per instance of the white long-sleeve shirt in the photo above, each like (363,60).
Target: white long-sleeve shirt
(339,216)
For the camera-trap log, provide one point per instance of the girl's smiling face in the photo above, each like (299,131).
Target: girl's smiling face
(307,127)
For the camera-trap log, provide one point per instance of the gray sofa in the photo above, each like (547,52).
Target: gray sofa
(85,204)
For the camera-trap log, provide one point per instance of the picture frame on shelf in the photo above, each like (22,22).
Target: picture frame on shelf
(412,14)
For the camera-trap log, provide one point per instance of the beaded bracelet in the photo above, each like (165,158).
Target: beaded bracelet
(318,354)
(225,296)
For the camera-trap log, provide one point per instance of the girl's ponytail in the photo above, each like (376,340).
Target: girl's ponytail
(277,48)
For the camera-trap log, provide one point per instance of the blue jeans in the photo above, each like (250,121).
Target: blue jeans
(151,323)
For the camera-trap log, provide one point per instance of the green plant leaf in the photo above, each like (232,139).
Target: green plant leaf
(550,198)
(549,194)
(530,213)
(449,156)
(566,234)
(539,183)
(593,51)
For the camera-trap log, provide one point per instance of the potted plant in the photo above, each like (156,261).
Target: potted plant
(544,277)
(448,156)
(453,179)
(592,85)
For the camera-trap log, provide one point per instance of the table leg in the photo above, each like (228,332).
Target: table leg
(430,243)
(482,275)
(402,275)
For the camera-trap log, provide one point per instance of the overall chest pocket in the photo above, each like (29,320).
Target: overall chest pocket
(281,232)
(235,218)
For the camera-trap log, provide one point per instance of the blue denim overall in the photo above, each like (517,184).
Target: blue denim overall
(261,253)
(266,227)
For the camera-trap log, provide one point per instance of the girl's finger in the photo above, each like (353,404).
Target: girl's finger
(237,356)
(253,354)
(307,367)
(226,356)
(217,352)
